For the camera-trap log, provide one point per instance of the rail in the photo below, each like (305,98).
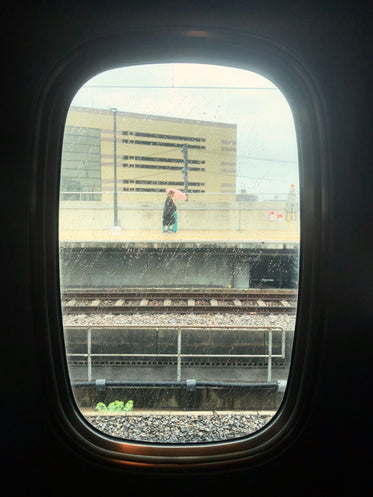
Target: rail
(142,300)
(178,353)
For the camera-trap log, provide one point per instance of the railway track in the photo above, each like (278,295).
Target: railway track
(180,301)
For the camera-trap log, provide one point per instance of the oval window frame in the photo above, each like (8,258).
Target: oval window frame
(211,46)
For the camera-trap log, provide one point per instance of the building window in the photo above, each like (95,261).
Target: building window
(81,164)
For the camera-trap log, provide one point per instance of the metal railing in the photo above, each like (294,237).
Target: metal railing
(178,354)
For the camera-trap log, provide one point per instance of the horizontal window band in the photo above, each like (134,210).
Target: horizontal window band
(150,182)
(168,137)
(160,159)
(162,144)
(166,168)
(157,190)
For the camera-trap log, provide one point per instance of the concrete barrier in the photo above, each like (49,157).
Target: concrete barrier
(266,216)
(259,397)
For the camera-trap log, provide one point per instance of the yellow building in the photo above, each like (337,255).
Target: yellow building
(150,153)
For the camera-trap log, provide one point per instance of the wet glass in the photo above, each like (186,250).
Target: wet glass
(179,239)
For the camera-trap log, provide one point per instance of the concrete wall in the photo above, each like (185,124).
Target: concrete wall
(251,398)
(266,216)
(115,268)
(129,340)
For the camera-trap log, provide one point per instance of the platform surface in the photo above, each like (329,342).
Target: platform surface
(181,237)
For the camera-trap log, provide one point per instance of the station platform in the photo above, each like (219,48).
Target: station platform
(151,258)
(182,238)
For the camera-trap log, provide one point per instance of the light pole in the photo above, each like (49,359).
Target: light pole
(185,169)
(116,226)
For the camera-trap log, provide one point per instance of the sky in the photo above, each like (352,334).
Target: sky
(267,161)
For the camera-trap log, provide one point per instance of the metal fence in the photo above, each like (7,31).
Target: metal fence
(178,354)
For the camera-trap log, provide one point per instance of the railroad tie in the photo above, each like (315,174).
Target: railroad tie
(261,303)
(119,302)
(285,303)
(191,302)
(237,303)
(144,302)
(167,302)
(95,303)
(70,303)
(214,302)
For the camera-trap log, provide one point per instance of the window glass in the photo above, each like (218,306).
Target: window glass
(179,238)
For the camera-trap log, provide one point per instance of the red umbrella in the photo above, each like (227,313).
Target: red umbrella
(177,193)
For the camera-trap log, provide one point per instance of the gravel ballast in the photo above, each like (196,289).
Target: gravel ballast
(285,321)
(184,428)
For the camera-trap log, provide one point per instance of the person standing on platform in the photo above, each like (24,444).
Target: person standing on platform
(169,218)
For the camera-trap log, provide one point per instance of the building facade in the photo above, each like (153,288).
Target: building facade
(137,153)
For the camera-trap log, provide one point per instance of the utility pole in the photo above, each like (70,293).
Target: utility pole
(185,169)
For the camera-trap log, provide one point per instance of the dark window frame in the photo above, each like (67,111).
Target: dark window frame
(231,48)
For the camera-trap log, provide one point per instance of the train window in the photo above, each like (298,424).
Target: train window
(179,234)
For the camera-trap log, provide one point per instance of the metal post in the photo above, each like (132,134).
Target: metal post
(185,169)
(178,372)
(269,375)
(89,353)
(116,226)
